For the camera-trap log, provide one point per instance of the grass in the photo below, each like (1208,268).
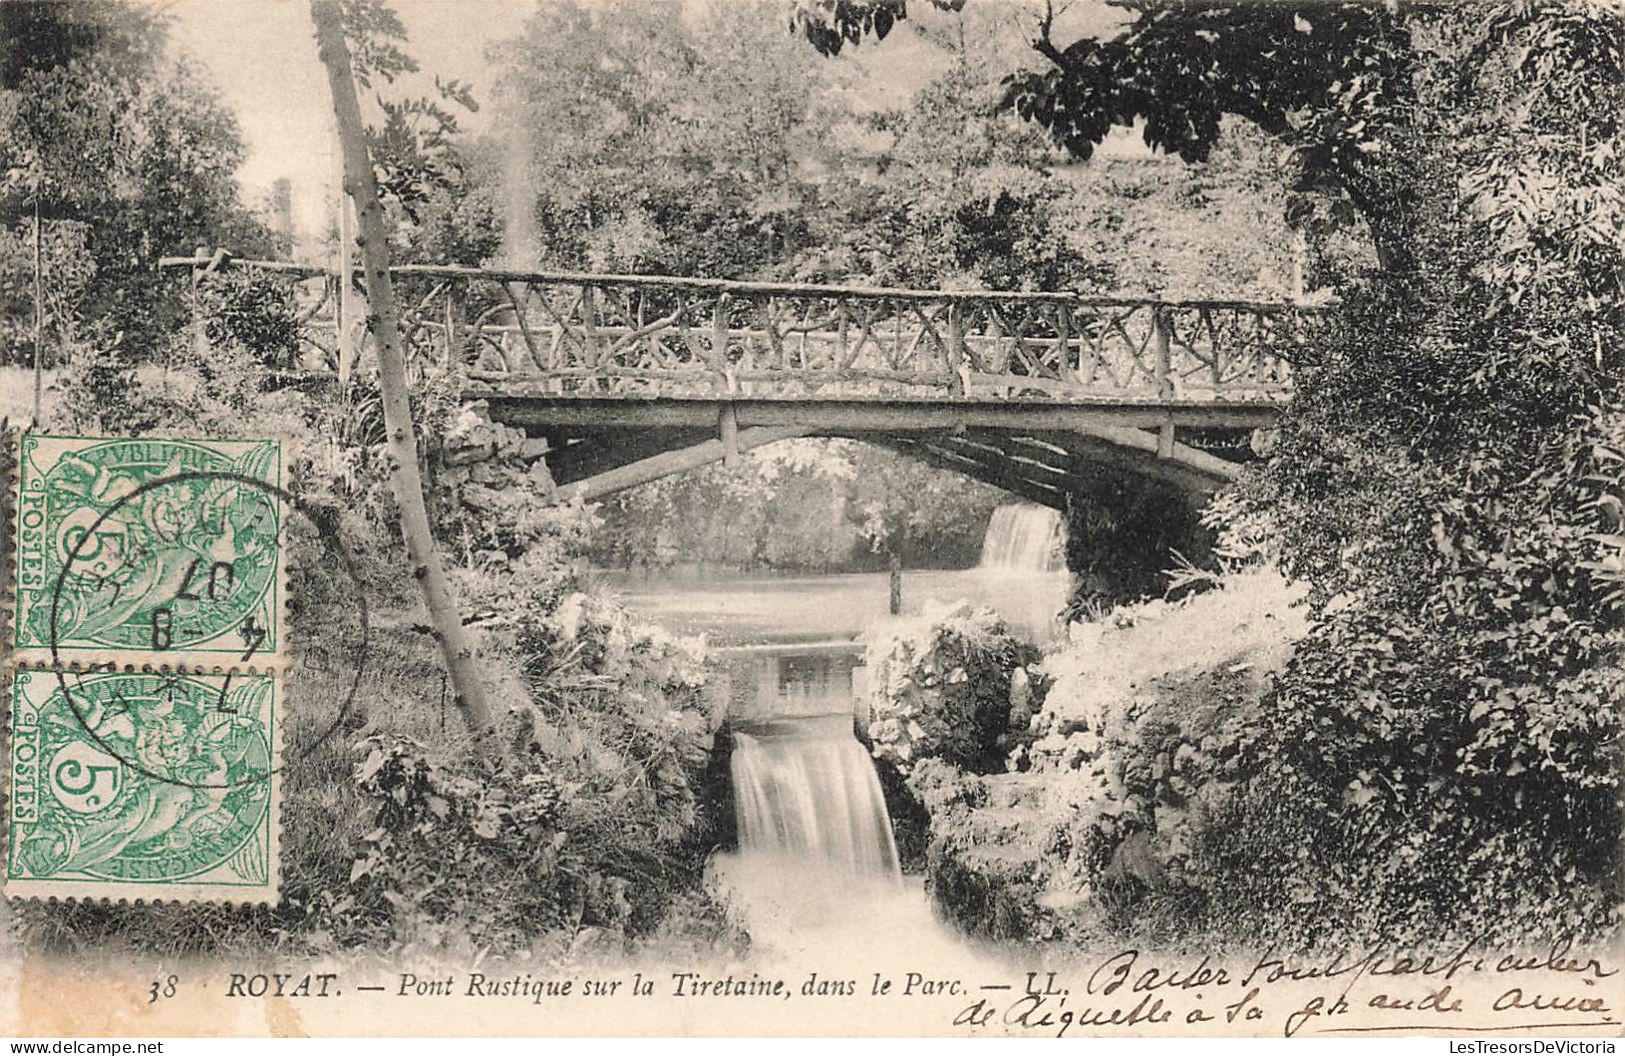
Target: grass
(17,395)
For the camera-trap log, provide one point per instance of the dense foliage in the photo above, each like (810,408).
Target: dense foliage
(396,833)
(800,505)
(1122,534)
(592,829)
(593,825)
(940,688)
(1442,755)
(645,138)
(1445,747)
(126,155)
(710,142)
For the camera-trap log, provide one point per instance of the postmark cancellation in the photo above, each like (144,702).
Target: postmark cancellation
(145,693)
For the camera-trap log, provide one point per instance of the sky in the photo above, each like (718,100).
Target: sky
(261,56)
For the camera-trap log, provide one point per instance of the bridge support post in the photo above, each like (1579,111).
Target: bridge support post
(200,334)
(667,463)
(454,313)
(718,359)
(728,433)
(1162,347)
(894,581)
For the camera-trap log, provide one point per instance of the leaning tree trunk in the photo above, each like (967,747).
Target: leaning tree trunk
(456,647)
(894,568)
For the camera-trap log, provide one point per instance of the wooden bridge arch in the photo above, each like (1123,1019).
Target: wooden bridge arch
(1031,450)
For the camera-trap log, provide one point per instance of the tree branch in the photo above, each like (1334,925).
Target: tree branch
(1042,43)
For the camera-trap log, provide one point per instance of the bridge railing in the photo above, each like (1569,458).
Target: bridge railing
(643,336)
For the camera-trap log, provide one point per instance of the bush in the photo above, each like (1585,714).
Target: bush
(940,688)
(1442,756)
(1120,532)
(251,310)
(530,853)
(1142,730)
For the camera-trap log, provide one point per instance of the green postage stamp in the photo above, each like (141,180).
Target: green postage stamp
(149,551)
(144,786)
(147,636)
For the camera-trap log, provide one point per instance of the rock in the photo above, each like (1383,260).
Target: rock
(471,436)
(509,442)
(482,498)
(463,454)
(1135,857)
(1050,744)
(532,448)
(540,477)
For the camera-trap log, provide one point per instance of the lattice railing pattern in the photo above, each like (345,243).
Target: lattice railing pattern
(643,336)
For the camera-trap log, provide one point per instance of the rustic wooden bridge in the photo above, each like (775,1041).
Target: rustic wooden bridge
(633,377)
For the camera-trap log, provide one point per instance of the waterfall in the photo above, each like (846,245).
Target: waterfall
(806,790)
(1023,537)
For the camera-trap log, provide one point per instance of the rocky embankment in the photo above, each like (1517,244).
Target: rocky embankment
(1134,747)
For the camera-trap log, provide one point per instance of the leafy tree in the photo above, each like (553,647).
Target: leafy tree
(944,188)
(1441,755)
(99,128)
(897,505)
(1449,489)
(1331,82)
(456,645)
(655,140)
(798,505)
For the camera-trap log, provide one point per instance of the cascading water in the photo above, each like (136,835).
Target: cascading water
(1023,537)
(805,789)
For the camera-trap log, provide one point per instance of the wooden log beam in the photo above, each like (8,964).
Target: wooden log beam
(728,433)
(1165,449)
(1052,460)
(987,470)
(780,289)
(1087,449)
(667,463)
(1016,479)
(884,416)
(596,453)
(1030,461)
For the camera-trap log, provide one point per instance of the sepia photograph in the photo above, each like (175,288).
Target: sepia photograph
(812,518)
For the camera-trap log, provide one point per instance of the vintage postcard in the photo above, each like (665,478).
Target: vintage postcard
(881,518)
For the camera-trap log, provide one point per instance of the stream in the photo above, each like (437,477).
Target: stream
(817,867)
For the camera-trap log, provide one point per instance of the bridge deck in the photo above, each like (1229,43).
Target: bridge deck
(518,406)
(629,375)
